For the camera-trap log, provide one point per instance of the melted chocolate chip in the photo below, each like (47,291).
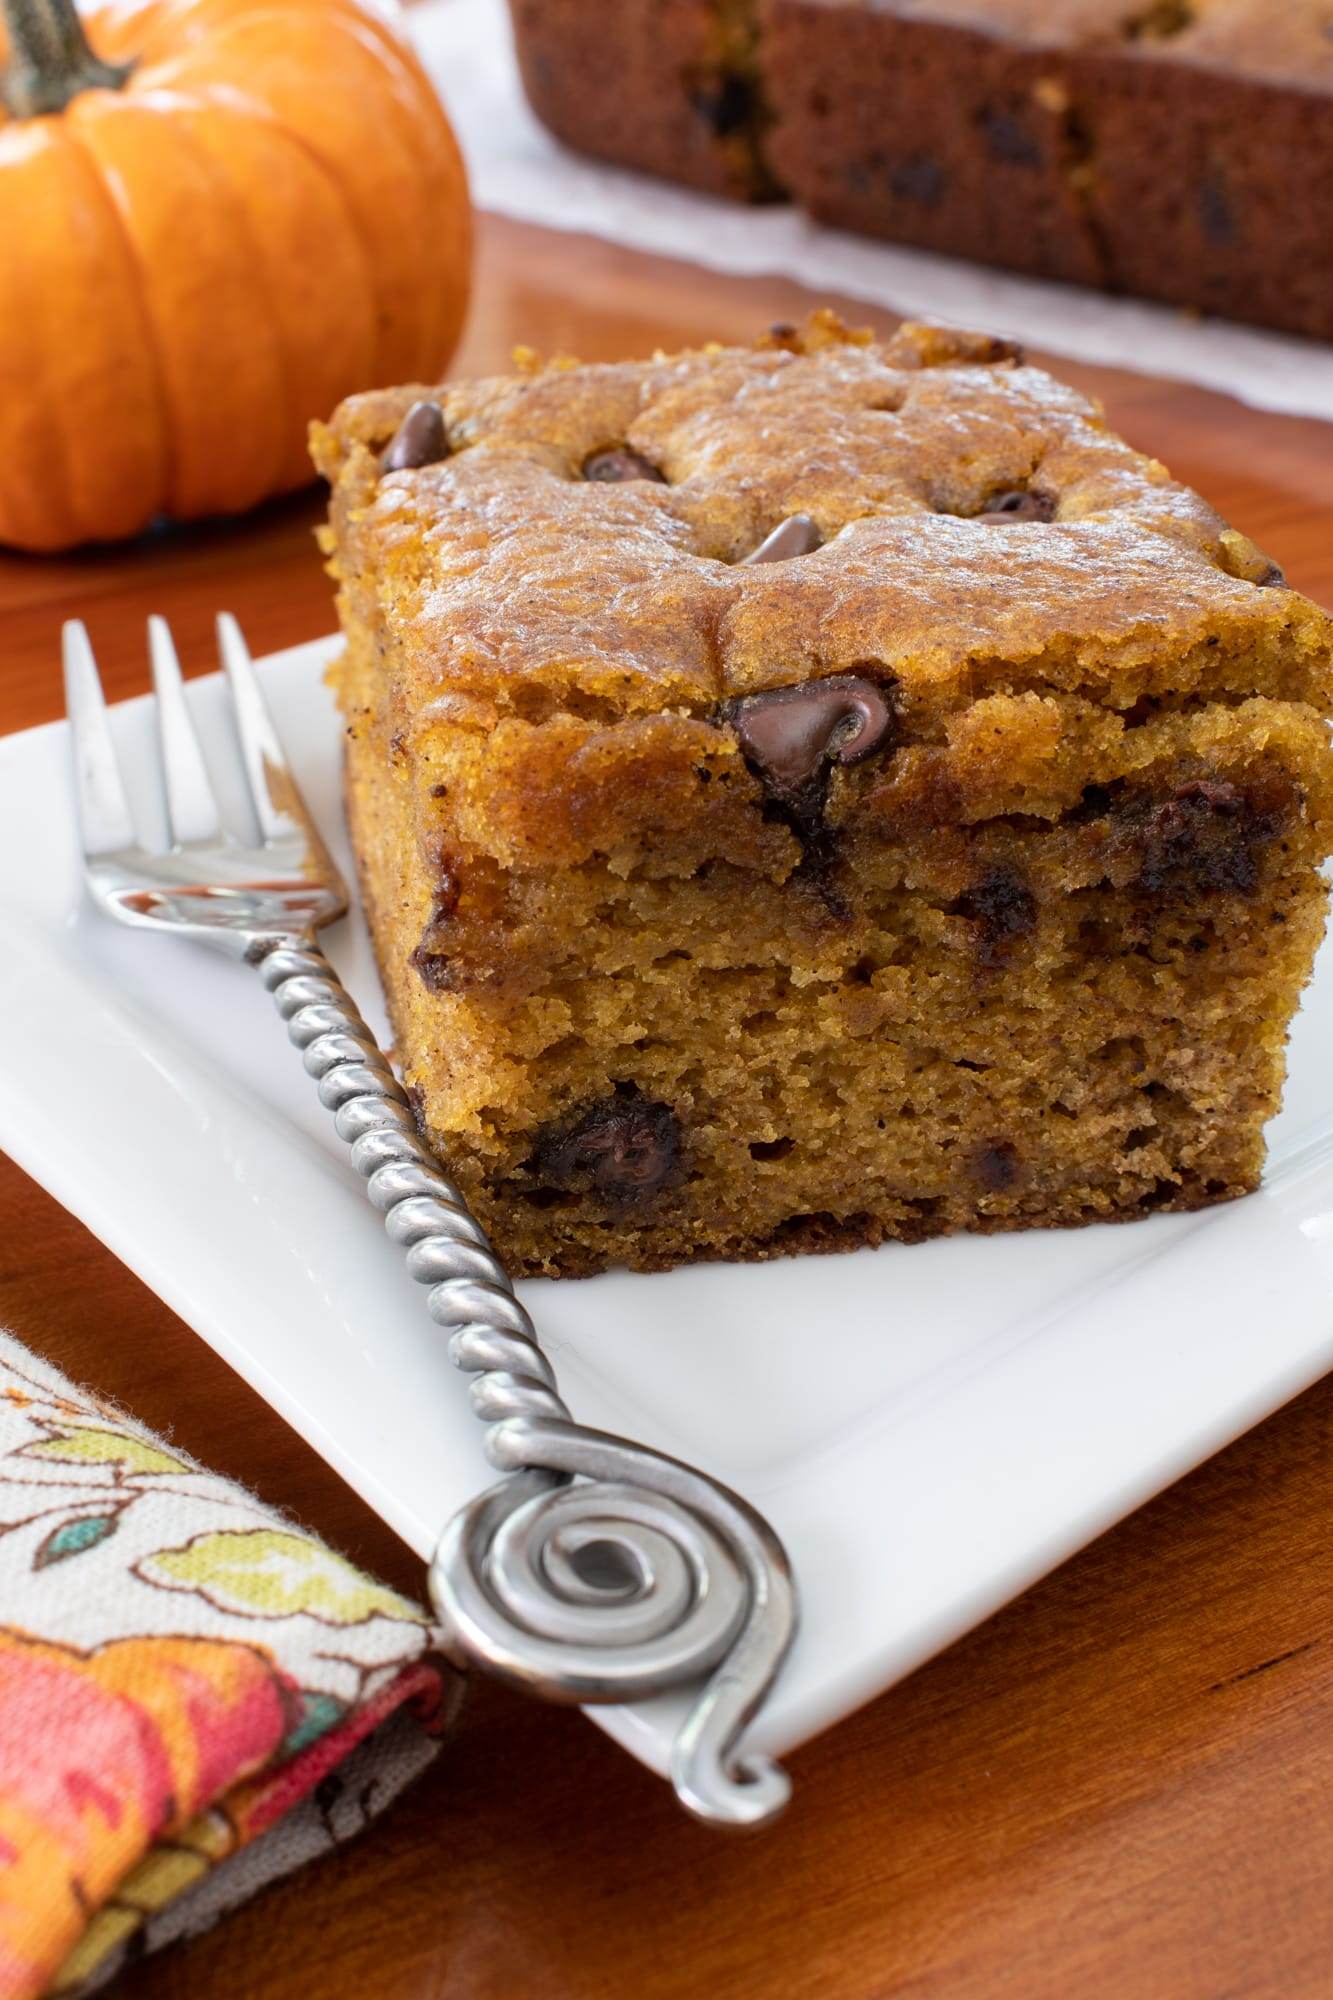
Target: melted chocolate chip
(1032,504)
(1208,836)
(448,888)
(791,736)
(726,103)
(1002,907)
(1217,216)
(796,536)
(919,178)
(419,440)
(624,1147)
(619,463)
(1008,139)
(921,345)
(996,1166)
(434,967)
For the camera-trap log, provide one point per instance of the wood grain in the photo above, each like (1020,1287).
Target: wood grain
(1121,1786)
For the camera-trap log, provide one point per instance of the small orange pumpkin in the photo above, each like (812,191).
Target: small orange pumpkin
(230,217)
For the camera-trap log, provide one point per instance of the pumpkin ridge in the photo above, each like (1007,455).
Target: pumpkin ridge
(194,490)
(258,290)
(152,332)
(151,339)
(425,135)
(375,42)
(31,358)
(261,290)
(297,365)
(345,59)
(256,107)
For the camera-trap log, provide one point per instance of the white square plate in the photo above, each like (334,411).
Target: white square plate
(928,1429)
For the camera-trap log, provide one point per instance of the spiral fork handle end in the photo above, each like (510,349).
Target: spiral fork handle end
(694,1589)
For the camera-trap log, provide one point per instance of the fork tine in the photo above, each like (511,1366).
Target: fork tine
(261,752)
(192,812)
(104,813)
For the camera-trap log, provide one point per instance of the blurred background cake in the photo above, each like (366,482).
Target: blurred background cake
(1181,150)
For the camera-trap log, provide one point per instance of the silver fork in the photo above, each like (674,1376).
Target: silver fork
(596,1570)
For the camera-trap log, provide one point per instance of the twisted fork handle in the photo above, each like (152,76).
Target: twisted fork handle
(597,1570)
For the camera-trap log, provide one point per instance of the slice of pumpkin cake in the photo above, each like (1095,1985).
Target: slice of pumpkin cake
(818,793)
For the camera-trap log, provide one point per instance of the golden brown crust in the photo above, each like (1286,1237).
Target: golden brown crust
(502,569)
(557,651)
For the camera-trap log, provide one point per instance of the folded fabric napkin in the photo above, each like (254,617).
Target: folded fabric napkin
(195,1695)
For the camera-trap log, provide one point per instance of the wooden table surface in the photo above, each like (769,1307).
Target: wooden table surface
(1121,1786)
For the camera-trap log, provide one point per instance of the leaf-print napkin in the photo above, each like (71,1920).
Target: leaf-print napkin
(195,1696)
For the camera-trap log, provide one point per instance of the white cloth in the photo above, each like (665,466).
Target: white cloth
(518,170)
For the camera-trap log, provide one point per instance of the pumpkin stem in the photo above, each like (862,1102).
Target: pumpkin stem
(50,60)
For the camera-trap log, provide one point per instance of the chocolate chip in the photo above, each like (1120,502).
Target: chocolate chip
(726,103)
(448,888)
(996,1166)
(1002,907)
(1271,577)
(624,1147)
(1019,504)
(791,736)
(920,179)
(1008,139)
(419,440)
(433,966)
(1217,216)
(618,463)
(1207,836)
(796,536)
(917,344)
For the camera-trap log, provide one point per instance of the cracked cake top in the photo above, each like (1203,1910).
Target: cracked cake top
(583,537)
